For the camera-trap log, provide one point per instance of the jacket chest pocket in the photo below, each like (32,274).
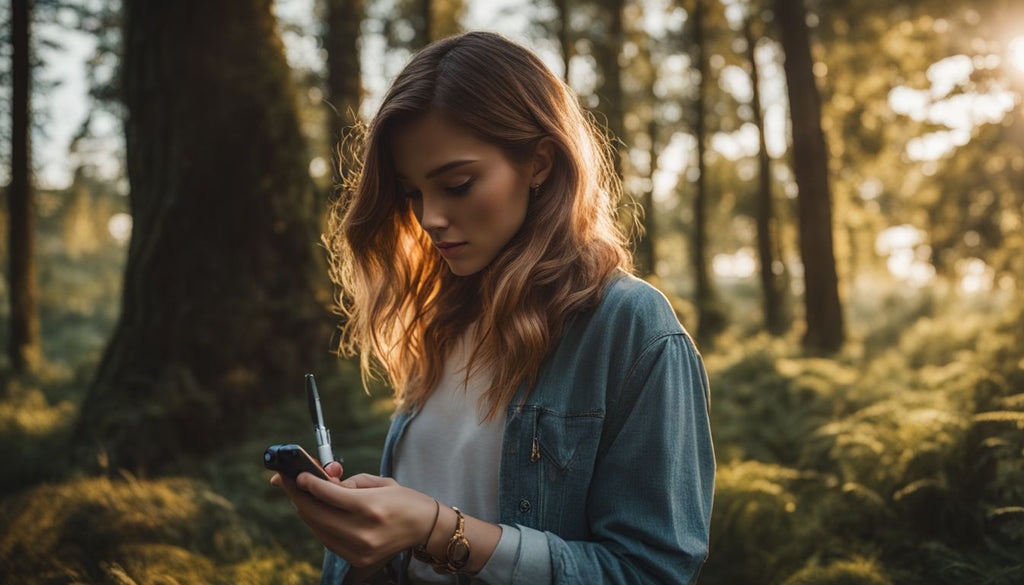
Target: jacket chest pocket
(564,447)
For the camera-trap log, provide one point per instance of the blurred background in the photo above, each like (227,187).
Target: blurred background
(830,193)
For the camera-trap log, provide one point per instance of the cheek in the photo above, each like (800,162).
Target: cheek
(486,210)
(498,205)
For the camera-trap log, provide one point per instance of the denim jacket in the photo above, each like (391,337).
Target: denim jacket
(622,489)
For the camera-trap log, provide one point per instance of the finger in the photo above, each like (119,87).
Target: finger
(331,525)
(334,469)
(303,500)
(334,494)
(366,480)
(304,478)
(276,480)
(294,492)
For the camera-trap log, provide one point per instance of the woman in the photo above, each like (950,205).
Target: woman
(552,413)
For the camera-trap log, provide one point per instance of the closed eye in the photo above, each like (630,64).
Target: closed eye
(460,189)
(456,190)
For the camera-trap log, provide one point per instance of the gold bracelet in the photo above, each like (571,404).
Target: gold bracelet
(420,552)
(458,550)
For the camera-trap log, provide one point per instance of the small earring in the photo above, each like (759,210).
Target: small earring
(534,190)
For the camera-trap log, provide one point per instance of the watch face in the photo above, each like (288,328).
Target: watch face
(458,551)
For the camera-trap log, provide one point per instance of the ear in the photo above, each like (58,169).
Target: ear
(543,160)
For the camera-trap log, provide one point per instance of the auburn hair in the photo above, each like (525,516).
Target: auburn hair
(403,308)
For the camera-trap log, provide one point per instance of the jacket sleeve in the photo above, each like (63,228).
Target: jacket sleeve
(649,505)
(335,569)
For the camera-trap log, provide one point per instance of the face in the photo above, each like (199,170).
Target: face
(464,191)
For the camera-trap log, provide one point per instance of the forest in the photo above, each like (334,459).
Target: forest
(830,193)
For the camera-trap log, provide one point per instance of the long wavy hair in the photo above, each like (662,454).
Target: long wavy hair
(403,308)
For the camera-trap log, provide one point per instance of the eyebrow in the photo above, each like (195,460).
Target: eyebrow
(443,168)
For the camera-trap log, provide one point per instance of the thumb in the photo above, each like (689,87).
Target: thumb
(334,469)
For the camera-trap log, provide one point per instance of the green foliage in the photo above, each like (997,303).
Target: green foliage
(781,398)
(901,465)
(32,431)
(127,530)
(217,520)
(852,572)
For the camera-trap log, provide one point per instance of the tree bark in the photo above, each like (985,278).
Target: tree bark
(423,24)
(607,55)
(564,36)
(344,73)
(810,167)
(221,314)
(646,255)
(766,220)
(710,320)
(24,349)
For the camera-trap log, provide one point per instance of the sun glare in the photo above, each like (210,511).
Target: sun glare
(1017,52)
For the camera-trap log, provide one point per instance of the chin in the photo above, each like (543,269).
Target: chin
(463,271)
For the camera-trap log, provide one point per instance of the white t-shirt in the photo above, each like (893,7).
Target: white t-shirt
(448,452)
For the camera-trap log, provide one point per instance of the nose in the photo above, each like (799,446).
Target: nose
(433,214)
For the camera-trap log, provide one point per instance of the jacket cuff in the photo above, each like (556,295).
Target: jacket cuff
(334,570)
(533,564)
(498,569)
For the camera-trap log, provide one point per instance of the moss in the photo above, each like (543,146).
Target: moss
(846,572)
(101,527)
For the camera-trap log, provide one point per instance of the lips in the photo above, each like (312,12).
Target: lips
(451,249)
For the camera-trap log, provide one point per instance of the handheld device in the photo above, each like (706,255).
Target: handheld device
(290,460)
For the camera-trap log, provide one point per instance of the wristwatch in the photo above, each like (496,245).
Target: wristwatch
(457,552)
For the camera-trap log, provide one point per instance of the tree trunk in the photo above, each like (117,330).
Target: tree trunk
(810,167)
(446,18)
(646,252)
(564,36)
(344,74)
(221,314)
(24,349)
(610,92)
(423,24)
(765,214)
(709,319)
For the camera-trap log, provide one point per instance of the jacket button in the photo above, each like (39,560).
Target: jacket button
(524,505)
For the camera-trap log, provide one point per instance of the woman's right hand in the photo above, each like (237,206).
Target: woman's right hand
(356,574)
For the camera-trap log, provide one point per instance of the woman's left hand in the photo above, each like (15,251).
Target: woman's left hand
(365,519)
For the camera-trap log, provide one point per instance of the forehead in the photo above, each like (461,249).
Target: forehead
(429,141)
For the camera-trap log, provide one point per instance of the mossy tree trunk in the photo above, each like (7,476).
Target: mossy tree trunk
(221,312)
